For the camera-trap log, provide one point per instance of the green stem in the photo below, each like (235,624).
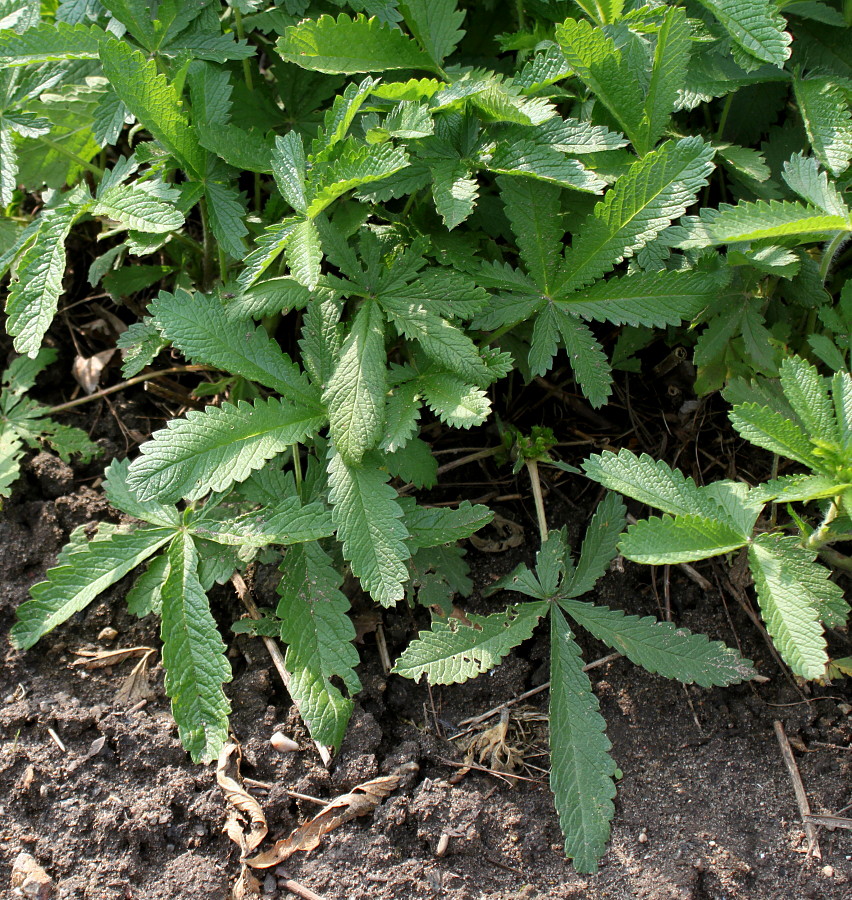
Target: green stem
(496,335)
(297,468)
(724,117)
(207,258)
(820,536)
(223,266)
(532,468)
(241,34)
(829,254)
(833,558)
(69,154)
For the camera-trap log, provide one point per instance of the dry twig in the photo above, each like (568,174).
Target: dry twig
(799,789)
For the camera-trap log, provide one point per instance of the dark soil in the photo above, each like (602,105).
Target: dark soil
(705,810)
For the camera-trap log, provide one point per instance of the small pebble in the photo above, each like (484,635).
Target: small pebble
(643,838)
(107,634)
(270,884)
(30,878)
(282,743)
(828,871)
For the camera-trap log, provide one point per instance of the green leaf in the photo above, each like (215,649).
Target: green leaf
(435,24)
(316,627)
(773,432)
(581,769)
(146,594)
(779,566)
(800,488)
(452,652)
(121,497)
(653,299)
(773,219)
(446,345)
(269,247)
(402,411)
(11,451)
(593,56)
(413,464)
(348,45)
(211,450)
(268,297)
(355,395)
(289,167)
(458,404)
(825,109)
(304,253)
(50,41)
(754,25)
(650,481)
(21,373)
(807,393)
(667,541)
(599,546)
(661,647)
(34,294)
(225,212)
(140,345)
(655,189)
(533,209)
(135,16)
(543,163)
(432,526)
(369,524)
(193,656)
(135,208)
(668,75)
(154,101)
(803,175)
(454,191)
(285,522)
(199,326)
(91,570)
(322,336)
(588,361)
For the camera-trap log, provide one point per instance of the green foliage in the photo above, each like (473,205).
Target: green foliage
(363,260)
(25,422)
(796,599)
(582,772)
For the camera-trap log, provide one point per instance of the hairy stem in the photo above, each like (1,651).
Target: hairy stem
(830,252)
(69,154)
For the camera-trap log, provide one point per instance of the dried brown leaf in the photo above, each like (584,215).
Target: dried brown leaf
(360,801)
(100,659)
(136,686)
(510,534)
(87,370)
(245,806)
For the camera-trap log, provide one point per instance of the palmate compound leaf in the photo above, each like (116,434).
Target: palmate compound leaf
(211,450)
(453,652)
(346,46)
(34,294)
(91,570)
(783,572)
(200,327)
(318,632)
(655,189)
(666,540)
(193,655)
(369,524)
(661,647)
(355,395)
(581,770)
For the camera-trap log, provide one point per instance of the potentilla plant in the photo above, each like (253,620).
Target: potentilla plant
(367,216)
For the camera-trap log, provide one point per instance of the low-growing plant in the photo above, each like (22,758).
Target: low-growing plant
(362,257)
(806,421)
(25,422)
(582,773)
